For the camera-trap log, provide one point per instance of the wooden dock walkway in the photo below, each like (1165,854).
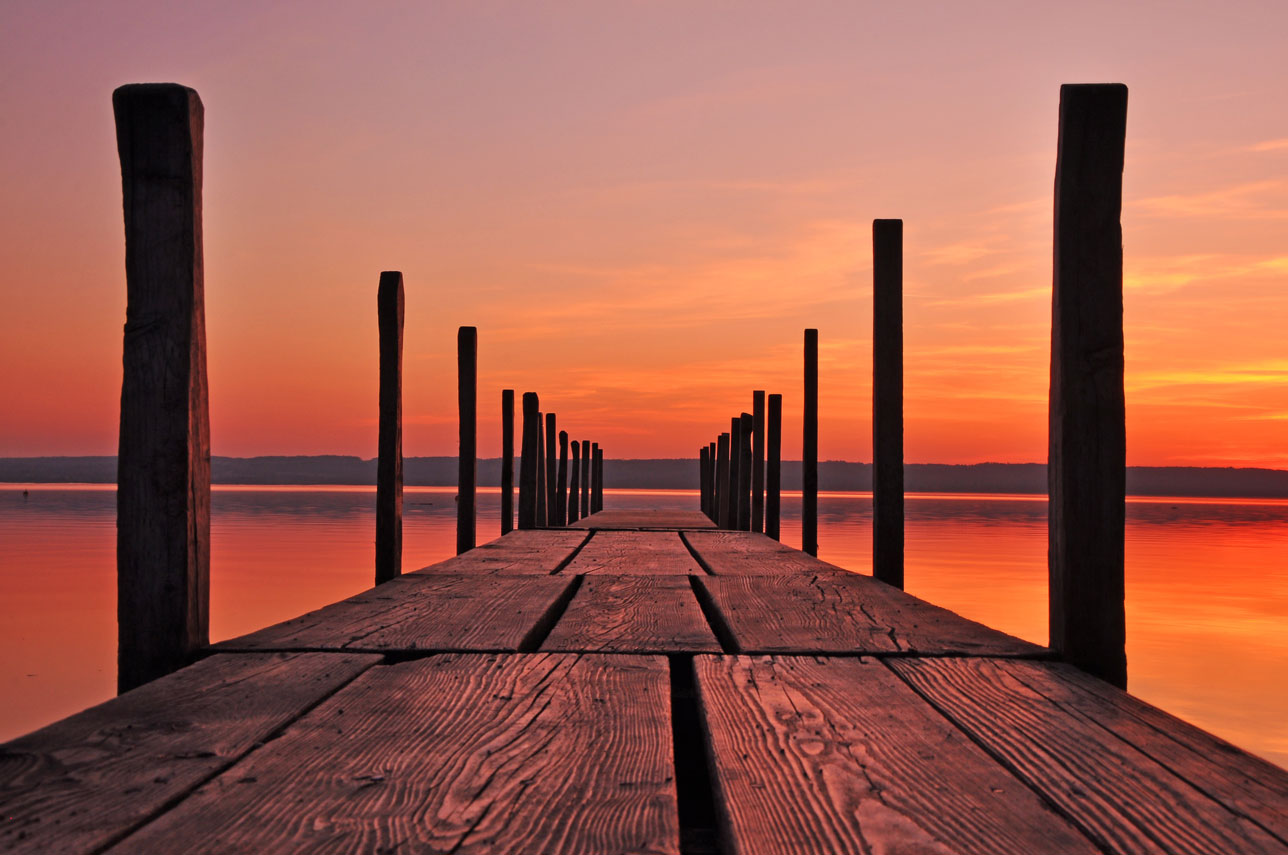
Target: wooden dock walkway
(642,684)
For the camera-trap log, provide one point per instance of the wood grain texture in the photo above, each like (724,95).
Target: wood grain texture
(428,612)
(82,782)
(457,753)
(741,553)
(163,461)
(644,519)
(633,614)
(634,552)
(1118,794)
(520,551)
(846,613)
(839,756)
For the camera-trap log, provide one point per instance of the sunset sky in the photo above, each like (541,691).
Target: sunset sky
(641,206)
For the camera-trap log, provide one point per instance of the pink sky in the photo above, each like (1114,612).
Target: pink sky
(641,205)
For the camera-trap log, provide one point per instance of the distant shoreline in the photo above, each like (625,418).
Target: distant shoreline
(669,473)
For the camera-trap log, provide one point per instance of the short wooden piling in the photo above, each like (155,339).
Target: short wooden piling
(809,449)
(541,470)
(507,461)
(528,462)
(561,489)
(704,481)
(1087,439)
(735,480)
(887,401)
(758,460)
(597,480)
(773,466)
(389,459)
(744,472)
(723,493)
(163,465)
(587,461)
(712,487)
(467,355)
(552,504)
(574,481)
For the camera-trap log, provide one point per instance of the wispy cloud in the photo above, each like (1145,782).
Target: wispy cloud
(1257,200)
(1270,145)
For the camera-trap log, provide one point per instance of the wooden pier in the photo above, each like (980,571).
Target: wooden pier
(641,683)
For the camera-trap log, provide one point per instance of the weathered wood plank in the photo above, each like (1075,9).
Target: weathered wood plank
(632,552)
(426,612)
(633,614)
(643,519)
(748,553)
(839,756)
(846,613)
(457,753)
(1126,800)
(520,551)
(83,782)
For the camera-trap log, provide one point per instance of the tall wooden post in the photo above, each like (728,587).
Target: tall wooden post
(561,491)
(735,480)
(1087,442)
(552,517)
(467,356)
(713,499)
(389,463)
(541,470)
(528,462)
(574,500)
(744,472)
(774,466)
(507,461)
(723,493)
(597,482)
(758,460)
(809,449)
(163,466)
(887,401)
(704,480)
(587,461)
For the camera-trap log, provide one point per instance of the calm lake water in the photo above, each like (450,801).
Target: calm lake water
(1207,583)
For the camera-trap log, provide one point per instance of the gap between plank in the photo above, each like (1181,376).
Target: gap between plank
(695,794)
(719,626)
(541,630)
(702,562)
(574,553)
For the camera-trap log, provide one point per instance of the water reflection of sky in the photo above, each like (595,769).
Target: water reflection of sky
(1207,582)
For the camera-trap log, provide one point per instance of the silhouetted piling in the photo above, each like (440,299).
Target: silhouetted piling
(887,401)
(773,466)
(552,504)
(541,470)
(758,460)
(389,459)
(809,449)
(744,472)
(561,491)
(574,481)
(723,493)
(735,479)
(1087,454)
(528,461)
(163,465)
(704,481)
(507,461)
(597,483)
(587,461)
(467,354)
(712,487)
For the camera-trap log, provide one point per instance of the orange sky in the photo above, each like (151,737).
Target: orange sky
(641,205)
